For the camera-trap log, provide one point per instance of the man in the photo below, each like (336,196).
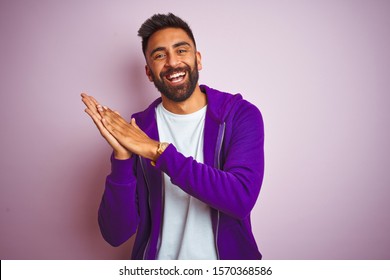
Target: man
(187,171)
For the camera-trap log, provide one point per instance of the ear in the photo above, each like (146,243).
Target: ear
(148,73)
(199,60)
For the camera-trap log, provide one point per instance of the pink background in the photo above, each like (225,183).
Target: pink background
(318,70)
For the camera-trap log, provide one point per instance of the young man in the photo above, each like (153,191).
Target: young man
(187,171)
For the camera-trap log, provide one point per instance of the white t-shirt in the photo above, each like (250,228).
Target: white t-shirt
(187,229)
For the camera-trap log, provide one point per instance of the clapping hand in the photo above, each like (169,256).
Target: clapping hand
(125,138)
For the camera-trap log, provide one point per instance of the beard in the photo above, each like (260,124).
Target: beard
(181,92)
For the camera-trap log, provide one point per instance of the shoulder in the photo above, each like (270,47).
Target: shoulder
(148,115)
(226,105)
(149,109)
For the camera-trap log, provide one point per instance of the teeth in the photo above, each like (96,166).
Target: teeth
(176,75)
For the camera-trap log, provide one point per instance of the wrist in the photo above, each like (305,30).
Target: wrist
(158,152)
(122,155)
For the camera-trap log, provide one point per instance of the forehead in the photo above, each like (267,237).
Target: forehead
(167,37)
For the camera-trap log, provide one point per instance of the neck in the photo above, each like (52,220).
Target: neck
(194,103)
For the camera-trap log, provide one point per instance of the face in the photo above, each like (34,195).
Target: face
(173,63)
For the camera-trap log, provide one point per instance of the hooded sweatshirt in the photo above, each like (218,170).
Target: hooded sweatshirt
(229,181)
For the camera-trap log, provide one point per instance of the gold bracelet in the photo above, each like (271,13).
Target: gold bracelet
(161,148)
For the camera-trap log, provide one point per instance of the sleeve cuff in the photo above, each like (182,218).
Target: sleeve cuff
(121,170)
(162,159)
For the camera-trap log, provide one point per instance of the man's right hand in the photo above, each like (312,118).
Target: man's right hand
(92,110)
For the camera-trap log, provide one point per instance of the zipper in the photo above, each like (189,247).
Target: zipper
(217,163)
(147,186)
(162,212)
(218,148)
(216,236)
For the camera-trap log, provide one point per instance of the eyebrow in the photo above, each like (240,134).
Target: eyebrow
(176,45)
(183,43)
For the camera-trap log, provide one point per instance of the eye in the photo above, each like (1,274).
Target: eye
(182,51)
(159,56)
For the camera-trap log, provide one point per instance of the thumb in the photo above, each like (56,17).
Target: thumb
(134,123)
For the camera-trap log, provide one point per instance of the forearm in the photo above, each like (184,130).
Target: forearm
(233,191)
(234,186)
(118,211)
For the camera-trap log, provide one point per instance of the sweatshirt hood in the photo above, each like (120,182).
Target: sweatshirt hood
(219,105)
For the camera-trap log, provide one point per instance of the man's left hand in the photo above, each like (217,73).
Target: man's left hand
(128,135)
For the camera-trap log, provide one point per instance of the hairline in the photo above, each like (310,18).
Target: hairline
(175,45)
(167,27)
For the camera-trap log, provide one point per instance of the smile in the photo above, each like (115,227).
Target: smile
(176,77)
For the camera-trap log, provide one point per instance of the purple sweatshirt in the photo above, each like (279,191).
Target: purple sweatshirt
(229,181)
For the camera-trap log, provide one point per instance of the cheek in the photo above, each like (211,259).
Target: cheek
(153,72)
(157,69)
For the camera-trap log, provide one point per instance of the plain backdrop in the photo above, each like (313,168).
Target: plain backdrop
(318,71)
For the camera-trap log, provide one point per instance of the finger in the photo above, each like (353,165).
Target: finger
(112,129)
(112,116)
(115,124)
(96,118)
(89,102)
(85,96)
(116,115)
(94,101)
(103,131)
(91,109)
(138,129)
(133,123)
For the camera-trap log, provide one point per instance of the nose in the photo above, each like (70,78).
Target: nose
(172,60)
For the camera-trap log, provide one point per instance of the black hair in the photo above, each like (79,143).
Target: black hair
(160,21)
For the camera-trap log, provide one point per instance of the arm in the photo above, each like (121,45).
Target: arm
(118,212)
(234,189)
